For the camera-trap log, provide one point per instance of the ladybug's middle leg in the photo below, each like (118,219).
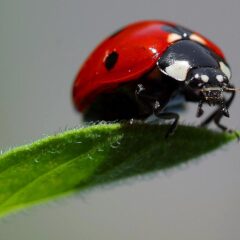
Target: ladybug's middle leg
(155,103)
(169,116)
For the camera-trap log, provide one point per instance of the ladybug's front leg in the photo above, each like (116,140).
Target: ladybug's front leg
(155,103)
(217,115)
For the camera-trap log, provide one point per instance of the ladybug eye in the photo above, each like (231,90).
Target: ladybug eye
(204,78)
(195,37)
(198,80)
(220,78)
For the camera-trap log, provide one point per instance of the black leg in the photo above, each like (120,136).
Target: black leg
(156,103)
(200,110)
(217,115)
(169,116)
(145,98)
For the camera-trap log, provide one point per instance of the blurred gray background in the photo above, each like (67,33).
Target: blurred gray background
(42,45)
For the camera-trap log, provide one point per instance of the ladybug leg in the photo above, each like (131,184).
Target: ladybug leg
(144,96)
(217,115)
(155,103)
(191,96)
(199,109)
(169,116)
(149,101)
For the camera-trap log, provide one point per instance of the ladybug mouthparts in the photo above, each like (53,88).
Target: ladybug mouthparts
(214,96)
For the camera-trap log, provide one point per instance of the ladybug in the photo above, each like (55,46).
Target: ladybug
(140,69)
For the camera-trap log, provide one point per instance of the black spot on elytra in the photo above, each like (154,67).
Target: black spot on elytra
(111,60)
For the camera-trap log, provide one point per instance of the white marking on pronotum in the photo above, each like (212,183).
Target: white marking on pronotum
(197,38)
(220,78)
(204,78)
(178,70)
(225,69)
(185,35)
(173,37)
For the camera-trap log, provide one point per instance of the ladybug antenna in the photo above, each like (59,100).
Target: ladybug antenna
(230,89)
(226,89)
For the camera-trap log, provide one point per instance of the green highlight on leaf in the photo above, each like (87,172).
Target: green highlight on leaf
(83,158)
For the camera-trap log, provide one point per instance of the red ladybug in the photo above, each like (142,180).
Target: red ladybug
(139,70)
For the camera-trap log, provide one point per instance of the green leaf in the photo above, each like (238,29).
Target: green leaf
(79,159)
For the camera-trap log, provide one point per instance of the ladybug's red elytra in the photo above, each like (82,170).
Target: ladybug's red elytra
(139,70)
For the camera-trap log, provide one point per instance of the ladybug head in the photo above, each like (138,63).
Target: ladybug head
(210,83)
